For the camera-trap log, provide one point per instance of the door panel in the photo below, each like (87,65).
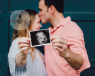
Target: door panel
(23,4)
(4,5)
(80,11)
(89,37)
(79,6)
(0,5)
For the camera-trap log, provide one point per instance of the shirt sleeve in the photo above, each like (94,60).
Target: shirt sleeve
(14,70)
(77,45)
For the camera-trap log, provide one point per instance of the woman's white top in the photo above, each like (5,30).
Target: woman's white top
(36,68)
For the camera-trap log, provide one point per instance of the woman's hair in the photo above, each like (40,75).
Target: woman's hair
(22,26)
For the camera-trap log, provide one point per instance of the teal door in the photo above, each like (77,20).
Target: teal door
(81,11)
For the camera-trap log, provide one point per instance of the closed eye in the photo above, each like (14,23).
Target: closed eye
(40,9)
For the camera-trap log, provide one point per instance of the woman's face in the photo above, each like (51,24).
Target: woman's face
(36,24)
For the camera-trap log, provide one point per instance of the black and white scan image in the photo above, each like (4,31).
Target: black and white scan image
(39,38)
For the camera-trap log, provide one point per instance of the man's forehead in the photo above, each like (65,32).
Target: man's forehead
(41,2)
(42,5)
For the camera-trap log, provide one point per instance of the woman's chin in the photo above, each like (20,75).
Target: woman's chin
(38,29)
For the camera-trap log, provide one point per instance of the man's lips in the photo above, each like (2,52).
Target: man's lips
(40,18)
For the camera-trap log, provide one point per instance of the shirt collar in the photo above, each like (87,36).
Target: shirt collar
(64,22)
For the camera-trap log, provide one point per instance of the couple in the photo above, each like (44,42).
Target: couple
(66,56)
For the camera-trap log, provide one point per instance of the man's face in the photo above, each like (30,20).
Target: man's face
(43,12)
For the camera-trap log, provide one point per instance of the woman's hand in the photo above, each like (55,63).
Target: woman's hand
(23,45)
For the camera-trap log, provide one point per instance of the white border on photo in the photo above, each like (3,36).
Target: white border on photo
(41,44)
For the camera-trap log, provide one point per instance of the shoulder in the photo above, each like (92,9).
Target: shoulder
(73,25)
(73,29)
(13,50)
(14,42)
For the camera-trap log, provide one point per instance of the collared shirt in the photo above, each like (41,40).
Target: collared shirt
(31,68)
(55,64)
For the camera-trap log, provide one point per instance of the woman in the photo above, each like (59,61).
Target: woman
(23,59)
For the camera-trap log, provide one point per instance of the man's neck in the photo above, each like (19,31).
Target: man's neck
(56,19)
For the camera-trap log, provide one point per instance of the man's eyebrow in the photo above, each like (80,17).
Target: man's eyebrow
(40,9)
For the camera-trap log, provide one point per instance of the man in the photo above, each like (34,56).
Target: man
(66,56)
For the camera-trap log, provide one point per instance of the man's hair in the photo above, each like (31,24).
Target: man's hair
(58,4)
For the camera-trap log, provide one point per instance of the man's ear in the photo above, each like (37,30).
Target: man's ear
(51,9)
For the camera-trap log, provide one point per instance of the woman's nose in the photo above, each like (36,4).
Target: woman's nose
(40,25)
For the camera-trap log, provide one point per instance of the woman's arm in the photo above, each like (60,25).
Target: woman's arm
(14,70)
(23,45)
(20,59)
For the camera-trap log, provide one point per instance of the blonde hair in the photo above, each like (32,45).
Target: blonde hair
(22,29)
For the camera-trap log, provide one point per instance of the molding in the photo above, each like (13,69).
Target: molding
(8,6)
(1,36)
(83,20)
(8,34)
(79,12)
(1,5)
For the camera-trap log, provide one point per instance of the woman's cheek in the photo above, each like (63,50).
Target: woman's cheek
(38,27)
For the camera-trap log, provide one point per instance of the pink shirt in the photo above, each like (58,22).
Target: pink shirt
(58,66)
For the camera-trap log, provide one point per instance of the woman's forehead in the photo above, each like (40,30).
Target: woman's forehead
(37,18)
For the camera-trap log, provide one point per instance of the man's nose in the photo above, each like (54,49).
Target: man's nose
(39,14)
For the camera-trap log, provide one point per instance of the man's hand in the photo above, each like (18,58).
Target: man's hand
(61,44)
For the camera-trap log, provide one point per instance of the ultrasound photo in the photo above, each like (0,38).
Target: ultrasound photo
(39,38)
